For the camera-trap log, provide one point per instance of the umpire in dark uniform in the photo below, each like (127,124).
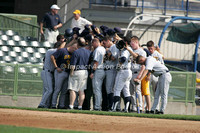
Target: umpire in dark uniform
(52,22)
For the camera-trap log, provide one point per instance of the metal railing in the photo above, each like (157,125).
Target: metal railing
(22,28)
(20,80)
(182,5)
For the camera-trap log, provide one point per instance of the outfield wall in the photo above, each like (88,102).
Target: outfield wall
(21,85)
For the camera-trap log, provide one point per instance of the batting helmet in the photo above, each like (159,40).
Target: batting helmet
(121,44)
(68,32)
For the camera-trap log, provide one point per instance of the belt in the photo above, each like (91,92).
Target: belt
(51,29)
(79,69)
(49,70)
(163,73)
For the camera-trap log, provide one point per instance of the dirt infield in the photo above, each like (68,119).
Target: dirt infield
(94,123)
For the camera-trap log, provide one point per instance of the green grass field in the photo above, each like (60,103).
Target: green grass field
(166,116)
(14,129)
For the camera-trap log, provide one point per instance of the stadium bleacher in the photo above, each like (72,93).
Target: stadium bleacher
(16,48)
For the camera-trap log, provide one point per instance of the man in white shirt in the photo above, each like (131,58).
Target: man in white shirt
(78,21)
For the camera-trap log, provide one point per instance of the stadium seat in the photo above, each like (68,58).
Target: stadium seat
(1,58)
(12,54)
(34,60)
(8,68)
(20,59)
(46,44)
(4,37)
(11,43)
(17,38)
(30,50)
(35,44)
(10,33)
(8,59)
(25,54)
(23,43)
(2,42)
(5,48)
(37,55)
(17,49)
(22,70)
(42,50)
(2,54)
(34,70)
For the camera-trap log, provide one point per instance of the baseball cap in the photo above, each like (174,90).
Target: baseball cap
(55,7)
(77,12)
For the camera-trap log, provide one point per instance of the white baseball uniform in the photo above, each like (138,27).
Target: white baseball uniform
(136,87)
(110,73)
(161,71)
(122,80)
(153,79)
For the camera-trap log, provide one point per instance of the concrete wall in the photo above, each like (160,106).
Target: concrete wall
(22,101)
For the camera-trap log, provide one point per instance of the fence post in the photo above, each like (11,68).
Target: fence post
(137,3)
(115,4)
(187,8)
(142,6)
(16,82)
(186,89)
(90,3)
(165,7)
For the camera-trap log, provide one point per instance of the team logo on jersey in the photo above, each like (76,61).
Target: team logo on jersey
(67,57)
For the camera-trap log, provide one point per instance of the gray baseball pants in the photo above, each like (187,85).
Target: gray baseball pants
(97,82)
(47,78)
(162,91)
(61,85)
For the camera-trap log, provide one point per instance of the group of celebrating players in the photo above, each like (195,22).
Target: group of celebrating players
(82,64)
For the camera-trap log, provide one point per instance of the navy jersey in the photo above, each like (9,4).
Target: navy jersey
(51,20)
(80,58)
(62,57)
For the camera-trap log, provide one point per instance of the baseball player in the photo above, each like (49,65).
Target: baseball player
(78,74)
(123,77)
(97,74)
(47,76)
(164,78)
(159,57)
(137,71)
(110,68)
(61,61)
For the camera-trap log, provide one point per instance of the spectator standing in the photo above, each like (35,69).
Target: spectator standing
(78,21)
(52,23)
